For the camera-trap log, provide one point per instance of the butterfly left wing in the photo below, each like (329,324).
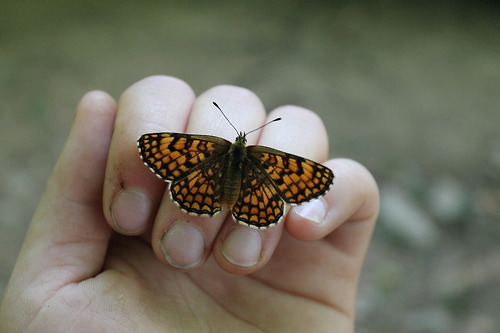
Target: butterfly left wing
(171,156)
(297,179)
(259,204)
(192,164)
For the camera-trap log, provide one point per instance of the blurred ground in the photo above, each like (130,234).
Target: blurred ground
(410,90)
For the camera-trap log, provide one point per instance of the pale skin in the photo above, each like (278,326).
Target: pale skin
(108,251)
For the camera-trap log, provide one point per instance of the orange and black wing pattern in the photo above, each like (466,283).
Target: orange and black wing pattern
(297,179)
(259,203)
(195,165)
(192,164)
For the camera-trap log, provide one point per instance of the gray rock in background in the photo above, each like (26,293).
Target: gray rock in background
(401,215)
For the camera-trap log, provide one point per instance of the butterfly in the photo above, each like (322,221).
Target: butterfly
(255,182)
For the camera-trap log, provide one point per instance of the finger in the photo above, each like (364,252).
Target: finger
(351,213)
(353,197)
(242,250)
(68,230)
(184,241)
(131,191)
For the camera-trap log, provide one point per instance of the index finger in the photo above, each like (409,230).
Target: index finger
(131,192)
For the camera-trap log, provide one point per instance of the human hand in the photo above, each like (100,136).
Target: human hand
(74,273)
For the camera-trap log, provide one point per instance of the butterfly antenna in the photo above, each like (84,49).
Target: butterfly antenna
(230,123)
(258,128)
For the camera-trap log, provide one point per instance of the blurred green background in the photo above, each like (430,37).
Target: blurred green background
(410,89)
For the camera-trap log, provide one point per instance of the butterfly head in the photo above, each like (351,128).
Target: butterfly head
(241,138)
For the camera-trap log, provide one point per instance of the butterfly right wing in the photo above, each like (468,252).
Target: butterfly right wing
(259,204)
(298,179)
(192,163)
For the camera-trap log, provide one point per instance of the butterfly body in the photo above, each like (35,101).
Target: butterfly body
(235,159)
(255,182)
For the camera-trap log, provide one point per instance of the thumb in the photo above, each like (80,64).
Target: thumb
(68,236)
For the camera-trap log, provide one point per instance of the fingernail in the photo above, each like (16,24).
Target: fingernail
(131,210)
(242,246)
(183,245)
(314,210)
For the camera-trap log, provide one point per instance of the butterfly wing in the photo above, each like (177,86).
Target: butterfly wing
(259,203)
(192,163)
(296,178)
(200,192)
